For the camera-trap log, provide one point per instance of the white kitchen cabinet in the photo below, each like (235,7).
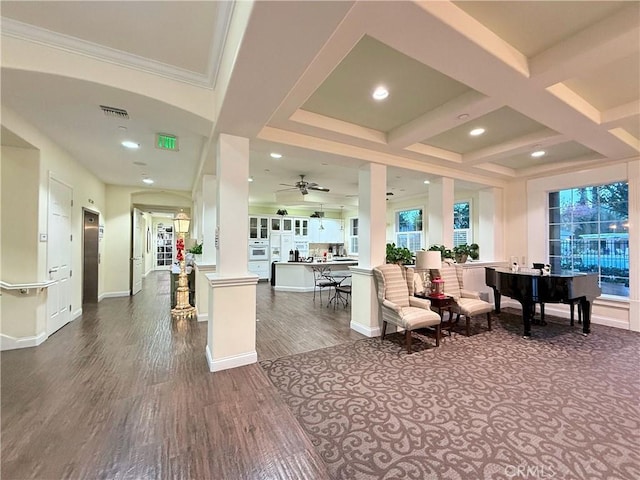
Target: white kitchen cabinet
(259,268)
(301,229)
(258,228)
(330,233)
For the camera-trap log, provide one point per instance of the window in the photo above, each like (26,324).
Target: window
(461,223)
(409,229)
(589,232)
(353,236)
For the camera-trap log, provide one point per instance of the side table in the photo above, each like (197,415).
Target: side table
(442,304)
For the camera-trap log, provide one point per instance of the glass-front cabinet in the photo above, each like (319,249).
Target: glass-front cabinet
(258,228)
(301,227)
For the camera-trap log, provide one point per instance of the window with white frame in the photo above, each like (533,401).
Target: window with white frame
(462,223)
(353,236)
(409,229)
(589,232)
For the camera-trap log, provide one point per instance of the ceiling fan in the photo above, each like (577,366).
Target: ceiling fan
(304,186)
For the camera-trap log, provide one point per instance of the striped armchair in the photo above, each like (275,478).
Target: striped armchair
(468,303)
(394,284)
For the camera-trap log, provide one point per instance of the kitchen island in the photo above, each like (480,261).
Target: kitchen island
(299,277)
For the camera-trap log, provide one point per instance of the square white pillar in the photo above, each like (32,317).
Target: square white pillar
(231,332)
(371,248)
(490,226)
(634,239)
(209,219)
(440,226)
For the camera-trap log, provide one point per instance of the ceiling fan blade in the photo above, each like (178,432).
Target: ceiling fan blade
(285,189)
(318,188)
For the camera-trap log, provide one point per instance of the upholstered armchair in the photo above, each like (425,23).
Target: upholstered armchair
(395,285)
(467,302)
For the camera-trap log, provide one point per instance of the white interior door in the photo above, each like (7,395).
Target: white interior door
(59,255)
(136,258)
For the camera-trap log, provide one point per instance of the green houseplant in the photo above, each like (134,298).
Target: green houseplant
(196,249)
(474,251)
(400,255)
(461,253)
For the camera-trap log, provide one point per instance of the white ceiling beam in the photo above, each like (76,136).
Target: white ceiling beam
(445,117)
(560,167)
(626,137)
(435,152)
(575,101)
(543,138)
(352,151)
(497,169)
(615,37)
(453,16)
(621,112)
(338,126)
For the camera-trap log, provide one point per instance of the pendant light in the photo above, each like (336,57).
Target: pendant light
(341,218)
(321,215)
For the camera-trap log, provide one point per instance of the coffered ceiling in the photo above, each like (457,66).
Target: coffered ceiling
(563,77)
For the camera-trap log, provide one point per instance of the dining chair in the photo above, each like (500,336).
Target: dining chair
(322,280)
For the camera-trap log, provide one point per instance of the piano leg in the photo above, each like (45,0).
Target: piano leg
(586,316)
(527,313)
(496,301)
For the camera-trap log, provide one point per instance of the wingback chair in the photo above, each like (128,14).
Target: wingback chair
(394,284)
(467,302)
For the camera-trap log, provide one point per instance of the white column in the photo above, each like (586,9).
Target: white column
(441,212)
(206,263)
(634,242)
(231,336)
(209,219)
(490,226)
(371,248)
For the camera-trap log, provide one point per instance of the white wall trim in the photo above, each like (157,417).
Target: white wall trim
(76,314)
(12,343)
(232,361)
(217,281)
(202,317)
(123,293)
(364,330)
(362,271)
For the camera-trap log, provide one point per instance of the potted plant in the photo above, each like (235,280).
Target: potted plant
(461,253)
(196,249)
(282,212)
(399,255)
(444,251)
(474,251)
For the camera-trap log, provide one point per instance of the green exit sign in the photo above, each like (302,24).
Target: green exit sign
(166,142)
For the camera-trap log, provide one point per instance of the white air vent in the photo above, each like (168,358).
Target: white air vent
(115,112)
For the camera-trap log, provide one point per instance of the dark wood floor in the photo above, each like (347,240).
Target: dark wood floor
(125,392)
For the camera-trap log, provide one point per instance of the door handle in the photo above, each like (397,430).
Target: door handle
(52,270)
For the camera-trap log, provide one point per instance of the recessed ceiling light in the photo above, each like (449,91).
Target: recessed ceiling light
(538,153)
(129,144)
(148,181)
(251,179)
(463,116)
(426,182)
(276,155)
(476,131)
(380,93)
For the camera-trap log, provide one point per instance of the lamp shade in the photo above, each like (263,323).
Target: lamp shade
(181,223)
(430,260)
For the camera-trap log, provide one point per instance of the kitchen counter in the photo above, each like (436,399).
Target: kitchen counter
(299,277)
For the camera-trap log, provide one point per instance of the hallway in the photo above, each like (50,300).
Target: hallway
(125,392)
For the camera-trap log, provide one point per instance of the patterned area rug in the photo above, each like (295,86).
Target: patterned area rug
(489,406)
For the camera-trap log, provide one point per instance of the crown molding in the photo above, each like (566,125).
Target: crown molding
(31,33)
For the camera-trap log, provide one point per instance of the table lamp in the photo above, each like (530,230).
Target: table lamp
(426,261)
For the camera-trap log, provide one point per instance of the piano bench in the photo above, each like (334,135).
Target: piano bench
(571,304)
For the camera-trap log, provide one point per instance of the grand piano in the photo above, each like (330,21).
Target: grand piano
(531,288)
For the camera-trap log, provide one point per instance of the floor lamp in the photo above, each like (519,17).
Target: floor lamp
(183,308)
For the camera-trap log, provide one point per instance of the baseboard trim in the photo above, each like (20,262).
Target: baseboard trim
(8,342)
(293,289)
(364,330)
(76,314)
(124,293)
(202,317)
(233,361)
